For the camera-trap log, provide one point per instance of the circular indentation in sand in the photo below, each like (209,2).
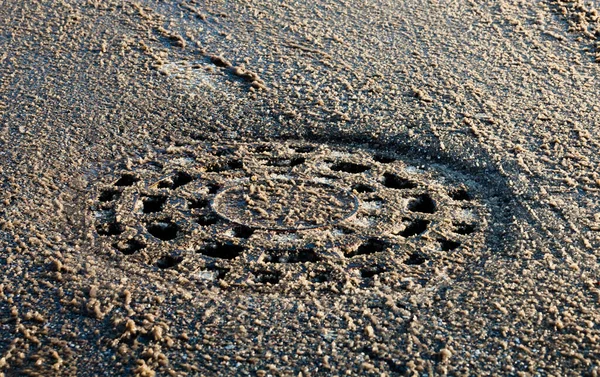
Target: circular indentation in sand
(276,214)
(285,204)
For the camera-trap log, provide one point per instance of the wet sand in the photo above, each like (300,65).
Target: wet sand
(322,188)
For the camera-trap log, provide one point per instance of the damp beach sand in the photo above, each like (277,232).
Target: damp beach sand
(325,188)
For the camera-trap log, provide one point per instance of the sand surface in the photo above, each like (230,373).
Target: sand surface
(296,188)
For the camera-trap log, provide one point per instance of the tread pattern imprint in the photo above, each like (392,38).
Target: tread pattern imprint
(289,215)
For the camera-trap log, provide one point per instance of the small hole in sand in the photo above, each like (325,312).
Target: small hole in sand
(460,194)
(267,277)
(153,203)
(422,203)
(304,149)
(109,195)
(463,228)
(220,272)
(198,203)
(320,277)
(393,181)
(168,261)
(383,159)
(263,148)
(235,164)
(127,180)
(213,188)
(242,231)
(297,161)
(367,273)
(360,188)
(230,165)
(222,250)
(207,219)
(447,245)
(371,246)
(414,259)
(196,136)
(111,229)
(416,227)
(130,246)
(164,231)
(180,179)
(350,167)
(297,256)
